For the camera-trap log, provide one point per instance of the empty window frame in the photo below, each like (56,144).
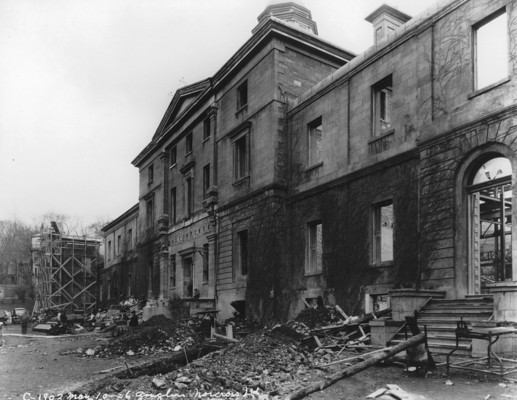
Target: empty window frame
(241,157)
(206,179)
(314,251)
(205,263)
(382,93)
(149,209)
(173,210)
(172,272)
(242,237)
(173,155)
(382,229)
(188,277)
(190,197)
(242,95)
(315,141)
(188,143)
(491,49)
(129,239)
(206,129)
(150,173)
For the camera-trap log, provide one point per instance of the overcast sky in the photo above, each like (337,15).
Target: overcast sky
(85,83)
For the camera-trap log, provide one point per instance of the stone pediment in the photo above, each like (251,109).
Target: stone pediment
(180,103)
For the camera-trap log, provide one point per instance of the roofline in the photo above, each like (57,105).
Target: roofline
(196,87)
(120,218)
(271,27)
(412,28)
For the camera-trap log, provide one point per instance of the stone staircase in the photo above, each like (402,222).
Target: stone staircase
(440,317)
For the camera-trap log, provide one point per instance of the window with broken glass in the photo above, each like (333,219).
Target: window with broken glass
(382,93)
(382,250)
(315,141)
(314,251)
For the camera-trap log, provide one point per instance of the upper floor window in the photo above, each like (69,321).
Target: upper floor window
(206,128)
(173,210)
(491,49)
(119,244)
(314,245)
(242,95)
(241,157)
(206,179)
(173,156)
(382,93)
(190,197)
(315,133)
(149,208)
(150,173)
(129,239)
(109,250)
(188,143)
(382,241)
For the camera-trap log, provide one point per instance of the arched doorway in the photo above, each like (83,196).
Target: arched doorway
(489,192)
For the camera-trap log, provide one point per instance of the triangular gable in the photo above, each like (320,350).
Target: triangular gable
(182,100)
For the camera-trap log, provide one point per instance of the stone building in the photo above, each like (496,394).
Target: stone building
(120,275)
(301,171)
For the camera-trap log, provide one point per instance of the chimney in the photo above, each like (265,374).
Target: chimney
(385,20)
(290,14)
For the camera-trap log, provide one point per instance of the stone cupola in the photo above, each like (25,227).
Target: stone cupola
(289,13)
(385,20)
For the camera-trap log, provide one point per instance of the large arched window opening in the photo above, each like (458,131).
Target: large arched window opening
(489,190)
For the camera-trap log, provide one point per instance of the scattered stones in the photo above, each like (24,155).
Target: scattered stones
(159,382)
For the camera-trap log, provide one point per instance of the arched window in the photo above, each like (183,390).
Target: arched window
(490,222)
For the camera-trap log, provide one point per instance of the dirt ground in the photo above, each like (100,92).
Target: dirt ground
(34,365)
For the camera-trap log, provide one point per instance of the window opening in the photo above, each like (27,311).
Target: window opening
(315,142)
(314,248)
(242,95)
(490,221)
(382,105)
(383,232)
(491,50)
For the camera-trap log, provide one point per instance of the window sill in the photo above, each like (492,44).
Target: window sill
(173,165)
(313,273)
(240,181)
(206,139)
(382,264)
(382,136)
(313,167)
(489,87)
(242,109)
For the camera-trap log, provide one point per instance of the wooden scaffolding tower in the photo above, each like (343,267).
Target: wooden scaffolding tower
(66,273)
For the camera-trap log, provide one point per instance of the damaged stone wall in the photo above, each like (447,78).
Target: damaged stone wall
(345,211)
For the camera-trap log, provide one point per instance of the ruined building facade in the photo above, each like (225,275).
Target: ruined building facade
(300,170)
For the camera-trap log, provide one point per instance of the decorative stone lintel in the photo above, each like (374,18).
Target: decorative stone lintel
(404,302)
(505,300)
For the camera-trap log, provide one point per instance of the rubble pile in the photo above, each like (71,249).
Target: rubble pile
(265,361)
(311,318)
(157,335)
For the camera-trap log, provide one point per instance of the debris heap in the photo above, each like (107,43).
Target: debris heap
(264,361)
(157,335)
